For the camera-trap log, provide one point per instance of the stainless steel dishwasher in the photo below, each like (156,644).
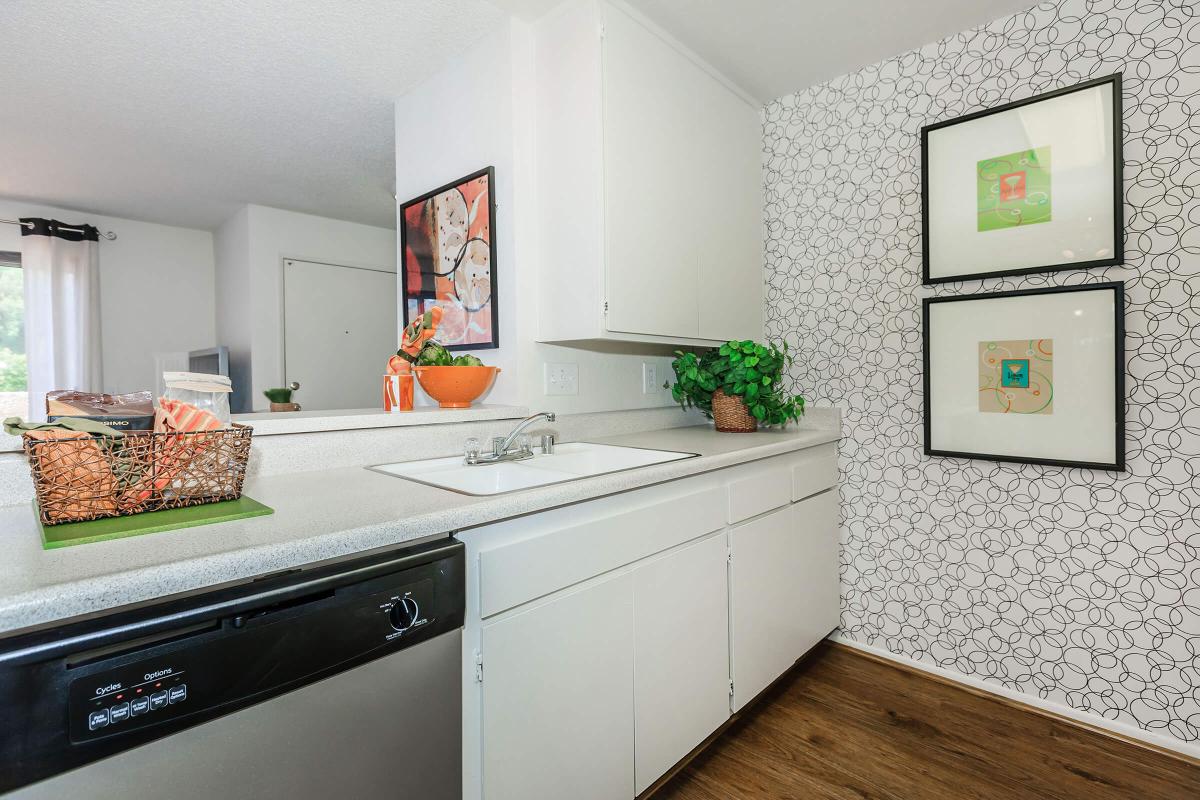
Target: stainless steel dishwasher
(335,681)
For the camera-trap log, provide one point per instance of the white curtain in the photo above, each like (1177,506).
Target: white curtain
(61,265)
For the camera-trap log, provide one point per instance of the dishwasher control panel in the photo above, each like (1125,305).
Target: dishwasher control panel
(247,654)
(128,698)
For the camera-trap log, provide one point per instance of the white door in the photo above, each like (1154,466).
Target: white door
(558,698)
(681,654)
(783,590)
(339,331)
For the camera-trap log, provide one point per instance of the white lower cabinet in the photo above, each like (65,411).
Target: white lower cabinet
(817,570)
(783,590)
(681,654)
(558,698)
(602,637)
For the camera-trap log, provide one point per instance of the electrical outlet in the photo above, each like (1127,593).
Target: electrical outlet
(560,379)
(649,378)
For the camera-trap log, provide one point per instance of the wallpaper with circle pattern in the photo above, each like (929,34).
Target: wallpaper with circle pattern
(1074,585)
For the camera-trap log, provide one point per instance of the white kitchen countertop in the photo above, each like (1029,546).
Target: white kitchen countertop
(318,515)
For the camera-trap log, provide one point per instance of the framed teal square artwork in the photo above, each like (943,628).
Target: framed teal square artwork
(1034,376)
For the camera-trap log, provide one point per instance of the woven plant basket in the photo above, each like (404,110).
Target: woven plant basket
(91,477)
(731,414)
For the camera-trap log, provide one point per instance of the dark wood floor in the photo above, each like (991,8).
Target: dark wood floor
(846,725)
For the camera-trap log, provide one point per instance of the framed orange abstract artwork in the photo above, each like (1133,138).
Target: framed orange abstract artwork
(448,259)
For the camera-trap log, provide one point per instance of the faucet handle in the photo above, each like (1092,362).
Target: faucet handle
(471,449)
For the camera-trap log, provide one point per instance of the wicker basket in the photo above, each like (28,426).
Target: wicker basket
(90,477)
(731,414)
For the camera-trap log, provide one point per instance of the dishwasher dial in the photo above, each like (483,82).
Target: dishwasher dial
(404,614)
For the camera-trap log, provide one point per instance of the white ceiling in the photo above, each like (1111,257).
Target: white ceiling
(180,112)
(773,48)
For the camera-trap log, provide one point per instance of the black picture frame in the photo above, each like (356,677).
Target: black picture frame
(490,173)
(1118,288)
(1118,256)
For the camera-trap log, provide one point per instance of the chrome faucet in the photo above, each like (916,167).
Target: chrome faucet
(500,444)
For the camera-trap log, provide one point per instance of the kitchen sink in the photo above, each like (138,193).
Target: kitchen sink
(568,462)
(584,458)
(452,474)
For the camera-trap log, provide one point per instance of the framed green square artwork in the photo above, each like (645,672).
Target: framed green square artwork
(1031,186)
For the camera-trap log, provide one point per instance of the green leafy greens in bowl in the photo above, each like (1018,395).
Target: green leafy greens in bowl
(435,355)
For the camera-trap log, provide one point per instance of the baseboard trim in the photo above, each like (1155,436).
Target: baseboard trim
(1129,733)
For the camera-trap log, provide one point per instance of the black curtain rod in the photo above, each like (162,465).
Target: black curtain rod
(109,235)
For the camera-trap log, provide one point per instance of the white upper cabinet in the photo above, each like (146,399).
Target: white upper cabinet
(648,184)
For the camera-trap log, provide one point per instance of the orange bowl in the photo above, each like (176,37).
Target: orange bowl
(455,387)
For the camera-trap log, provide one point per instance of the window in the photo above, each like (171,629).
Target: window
(14,398)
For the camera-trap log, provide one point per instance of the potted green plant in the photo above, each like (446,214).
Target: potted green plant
(281,398)
(739,385)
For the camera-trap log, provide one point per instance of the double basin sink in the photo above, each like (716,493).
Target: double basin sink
(568,462)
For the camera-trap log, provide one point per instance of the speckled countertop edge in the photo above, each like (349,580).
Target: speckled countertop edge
(421,513)
(268,424)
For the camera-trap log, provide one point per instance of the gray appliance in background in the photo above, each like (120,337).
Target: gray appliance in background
(212,361)
(216,361)
(335,681)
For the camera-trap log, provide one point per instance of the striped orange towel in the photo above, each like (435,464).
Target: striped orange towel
(174,455)
(176,416)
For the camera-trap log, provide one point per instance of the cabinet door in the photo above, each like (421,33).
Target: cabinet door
(728,222)
(558,698)
(783,590)
(652,179)
(681,654)
(817,571)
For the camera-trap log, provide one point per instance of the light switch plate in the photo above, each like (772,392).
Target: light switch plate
(649,377)
(560,379)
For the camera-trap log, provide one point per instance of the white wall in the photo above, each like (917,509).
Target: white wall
(1075,586)
(479,112)
(457,122)
(251,246)
(156,290)
(231,248)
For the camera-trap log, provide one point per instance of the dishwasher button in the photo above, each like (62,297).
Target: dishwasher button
(97,719)
(140,705)
(179,693)
(158,700)
(119,712)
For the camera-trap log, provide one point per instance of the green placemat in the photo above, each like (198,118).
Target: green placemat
(99,530)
